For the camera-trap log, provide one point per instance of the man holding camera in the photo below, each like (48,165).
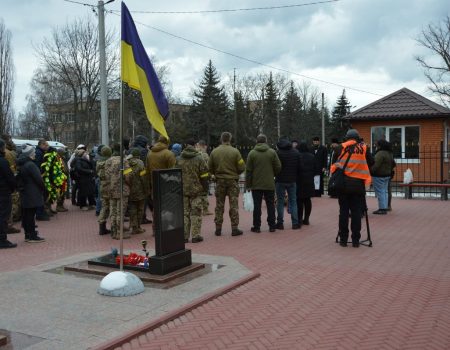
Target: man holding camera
(352,154)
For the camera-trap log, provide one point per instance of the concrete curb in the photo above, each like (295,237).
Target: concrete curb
(170,316)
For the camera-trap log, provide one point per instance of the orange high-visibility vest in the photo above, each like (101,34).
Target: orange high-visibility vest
(357,165)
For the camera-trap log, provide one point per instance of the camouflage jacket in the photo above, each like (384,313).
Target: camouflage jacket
(195,172)
(10,156)
(112,171)
(105,182)
(225,162)
(138,180)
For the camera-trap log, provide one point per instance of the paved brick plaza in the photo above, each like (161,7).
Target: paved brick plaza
(312,294)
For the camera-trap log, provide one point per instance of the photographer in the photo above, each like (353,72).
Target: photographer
(357,178)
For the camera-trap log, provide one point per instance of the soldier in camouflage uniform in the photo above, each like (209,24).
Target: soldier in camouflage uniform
(104,189)
(202,147)
(11,156)
(138,190)
(113,172)
(195,183)
(226,164)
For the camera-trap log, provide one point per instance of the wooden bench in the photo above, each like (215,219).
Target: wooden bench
(409,189)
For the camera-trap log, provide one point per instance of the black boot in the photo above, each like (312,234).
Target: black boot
(236,232)
(102,229)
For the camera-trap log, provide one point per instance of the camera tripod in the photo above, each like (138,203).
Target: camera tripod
(368,241)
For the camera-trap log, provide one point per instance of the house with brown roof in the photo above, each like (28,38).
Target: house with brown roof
(417,128)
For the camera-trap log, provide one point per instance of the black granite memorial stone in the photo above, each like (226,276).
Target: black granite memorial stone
(170,252)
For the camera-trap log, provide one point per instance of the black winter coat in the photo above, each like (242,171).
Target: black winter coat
(84,171)
(30,183)
(305,180)
(7,180)
(39,158)
(290,162)
(321,158)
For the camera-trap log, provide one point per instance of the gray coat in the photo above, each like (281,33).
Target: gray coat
(30,183)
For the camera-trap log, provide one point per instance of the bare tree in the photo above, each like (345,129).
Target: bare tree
(52,95)
(6,79)
(32,124)
(309,94)
(71,57)
(436,38)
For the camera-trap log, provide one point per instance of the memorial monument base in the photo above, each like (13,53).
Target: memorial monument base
(162,265)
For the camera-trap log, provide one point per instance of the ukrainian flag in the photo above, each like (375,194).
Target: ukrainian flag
(138,72)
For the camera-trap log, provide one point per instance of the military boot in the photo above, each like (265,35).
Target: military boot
(136,230)
(61,209)
(102,229)
(114,233)
(236,232)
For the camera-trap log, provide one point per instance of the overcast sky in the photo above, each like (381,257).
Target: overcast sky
(363,44)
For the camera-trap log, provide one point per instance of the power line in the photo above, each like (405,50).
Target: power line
(79,3)
(238,9)
(253,61)
(237,56)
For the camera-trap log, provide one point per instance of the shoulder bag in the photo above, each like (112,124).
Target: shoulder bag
(336,183)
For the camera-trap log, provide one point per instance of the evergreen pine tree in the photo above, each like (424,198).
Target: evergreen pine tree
(340,110)
(312,123)
(244,127)
(271,106)
(291,114)
(209,115)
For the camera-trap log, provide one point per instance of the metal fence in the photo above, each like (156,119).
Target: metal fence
(430,165)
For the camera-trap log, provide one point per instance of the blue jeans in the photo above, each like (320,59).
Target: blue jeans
(380,186)
(291,189)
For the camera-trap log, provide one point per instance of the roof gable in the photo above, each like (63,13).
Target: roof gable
(401,104)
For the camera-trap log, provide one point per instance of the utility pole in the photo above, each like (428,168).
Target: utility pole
(103,92)
(235,111)
(323,120)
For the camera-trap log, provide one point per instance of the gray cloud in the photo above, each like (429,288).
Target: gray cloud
(370,43)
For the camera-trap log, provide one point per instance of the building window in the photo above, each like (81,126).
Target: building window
(69,136)
(405,140)
(69,117)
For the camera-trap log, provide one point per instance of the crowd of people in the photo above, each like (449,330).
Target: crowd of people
(35,182)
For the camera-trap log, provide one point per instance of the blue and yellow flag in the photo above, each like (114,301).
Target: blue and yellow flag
(138,72)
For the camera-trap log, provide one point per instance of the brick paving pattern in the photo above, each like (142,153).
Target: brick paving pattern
(312,293)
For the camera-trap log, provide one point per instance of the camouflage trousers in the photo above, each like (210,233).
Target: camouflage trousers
(205,203)
(114,213)
(16,212)
(192,216)
(136,211)
(224,188)
(104,212)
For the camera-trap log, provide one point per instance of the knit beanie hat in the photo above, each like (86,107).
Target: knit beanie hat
(135,152)
(176,149)
(106,151)
(28,151)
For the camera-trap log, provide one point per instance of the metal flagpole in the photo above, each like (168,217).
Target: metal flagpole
(120,283)
(121,174)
